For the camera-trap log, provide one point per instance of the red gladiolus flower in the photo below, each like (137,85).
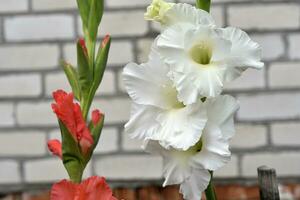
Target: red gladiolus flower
(94,188)
(96,117)
(71,116)
(55,147)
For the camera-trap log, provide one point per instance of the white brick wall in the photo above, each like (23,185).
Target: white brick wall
(36,34)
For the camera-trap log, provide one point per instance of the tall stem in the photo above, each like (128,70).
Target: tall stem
(210,190)
(203,4)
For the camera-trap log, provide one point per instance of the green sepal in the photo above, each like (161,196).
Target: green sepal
(95,16)
(84,74)
(96,133)
(101,62)
(72,157)
(84,10)
(203,4)
(73,79)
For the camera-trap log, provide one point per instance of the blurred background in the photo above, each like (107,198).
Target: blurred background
(36,34)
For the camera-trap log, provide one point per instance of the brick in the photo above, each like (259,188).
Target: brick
(250,79)
(55,81)
(272,106)
(143,49)
(249,136)
(27,143)
(262,16)
(47,170)
(129,144)
(13,6)
(284,75)
(28,57)
(70,53)
(285,134)
(126,23)
(250,163)
(9,172)
(108,142)
(294,46)
(121,85)
(37,28)
(130,167)
(20,85)
(123,4)
(7,115)
(45,5)
(229,170)
(107,85)
(272,45)
(35,114)
(120,53)
(117,110)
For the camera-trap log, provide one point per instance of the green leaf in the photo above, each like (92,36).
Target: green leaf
(95,16)
(72,158)
(84,10)
(73,79)
(85,75)
(203,4)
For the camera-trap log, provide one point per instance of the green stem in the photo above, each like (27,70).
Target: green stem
(203,4)
(210,190)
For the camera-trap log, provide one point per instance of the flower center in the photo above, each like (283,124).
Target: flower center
(201,53)
(171,96)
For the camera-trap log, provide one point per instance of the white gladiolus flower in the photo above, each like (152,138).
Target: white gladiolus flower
(190,168)
(178,169)
(202,57)
(157,114)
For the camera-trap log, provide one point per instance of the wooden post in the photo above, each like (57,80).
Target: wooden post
(268,186)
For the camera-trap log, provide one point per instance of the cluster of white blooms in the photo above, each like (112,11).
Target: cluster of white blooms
(177,107)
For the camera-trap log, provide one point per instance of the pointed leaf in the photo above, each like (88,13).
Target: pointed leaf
(84,73)
(84,10)
(95,16)
(73,79)
(203,4)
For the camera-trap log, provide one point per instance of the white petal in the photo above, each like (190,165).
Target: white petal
(146,83)
(221,111)
(181,128)
(219,130)
(193,187)
(186,13)
(176,169)
(244,52)
(142,122)
(199,82)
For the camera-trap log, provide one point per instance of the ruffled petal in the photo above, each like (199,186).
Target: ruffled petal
(186,13)
(176,169)
(142,122)
(63,190)
(181,128)
(96,188)
(148,83)
(193,187)
(55,147)
(244,52)
(199,82)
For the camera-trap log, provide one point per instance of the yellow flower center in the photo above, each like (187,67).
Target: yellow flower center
(201,53)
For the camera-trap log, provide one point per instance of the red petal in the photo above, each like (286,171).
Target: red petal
(96,188)
(59,95)
(63,190)
(55,147)
(96,116)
